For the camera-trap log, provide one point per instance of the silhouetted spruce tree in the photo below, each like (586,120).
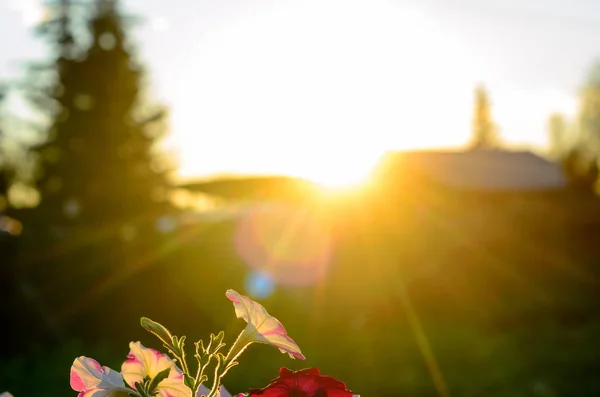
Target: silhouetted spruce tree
(484,133)
(102,186)
(98,164)
(51,88)
(8,281)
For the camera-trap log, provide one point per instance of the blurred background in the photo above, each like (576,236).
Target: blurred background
(410,187)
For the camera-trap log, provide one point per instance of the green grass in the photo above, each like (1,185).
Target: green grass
(505,308)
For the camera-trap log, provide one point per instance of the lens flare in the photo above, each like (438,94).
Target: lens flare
(289,244)
(259,285)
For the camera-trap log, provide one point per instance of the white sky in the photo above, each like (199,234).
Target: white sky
(320,88)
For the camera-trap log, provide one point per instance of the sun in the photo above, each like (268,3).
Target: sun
(342,171)
(319,89)
(32,11)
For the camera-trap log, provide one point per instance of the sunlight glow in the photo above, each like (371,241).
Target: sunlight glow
(32,11)
(320,90)
(518,110)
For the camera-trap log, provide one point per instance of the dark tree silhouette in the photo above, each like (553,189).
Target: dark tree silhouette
(102,184)
(484,133)
(581,170)
(98,161)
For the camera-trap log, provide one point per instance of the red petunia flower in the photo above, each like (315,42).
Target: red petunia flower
(303,383)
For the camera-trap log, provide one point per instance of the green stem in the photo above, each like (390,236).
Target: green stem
(238,347)
(196,379)
(183,363)
(241,343)
(216,382)
(200,374)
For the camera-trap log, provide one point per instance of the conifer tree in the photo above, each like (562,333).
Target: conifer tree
(102,186)
(484,134)
(98,162)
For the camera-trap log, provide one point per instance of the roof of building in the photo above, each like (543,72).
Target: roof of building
(481,169)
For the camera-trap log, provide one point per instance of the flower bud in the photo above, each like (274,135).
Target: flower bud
(157,329)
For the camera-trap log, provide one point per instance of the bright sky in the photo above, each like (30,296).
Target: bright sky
(321,88)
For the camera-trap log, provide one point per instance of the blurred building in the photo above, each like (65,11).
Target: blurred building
(489,170)
(497,217)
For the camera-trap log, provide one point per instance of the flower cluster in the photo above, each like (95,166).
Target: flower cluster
(147,372)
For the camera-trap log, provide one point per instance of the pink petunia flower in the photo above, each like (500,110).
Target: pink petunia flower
(143,362)
(262,327)
(91,379)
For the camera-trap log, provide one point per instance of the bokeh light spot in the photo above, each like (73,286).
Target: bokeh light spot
(259,285)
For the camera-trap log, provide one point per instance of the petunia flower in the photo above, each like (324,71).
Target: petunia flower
(143,363)
(303,383)
(91,379)
(6,394)
(262,327)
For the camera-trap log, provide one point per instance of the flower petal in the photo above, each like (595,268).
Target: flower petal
(6,394)
(267,328)
(307,382)
(202,391)
(272,391)
(104,393)
(173,387)
(87,375)
(142,362)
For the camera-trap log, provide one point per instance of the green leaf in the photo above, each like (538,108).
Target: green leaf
(157,379)
(171,350)
(232,364)
(205,360)
(175,343)
(189,381)
(216,342)
(201,344)
(140,388)
(198,349)
(219,337)
(160,331)
(178,344)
